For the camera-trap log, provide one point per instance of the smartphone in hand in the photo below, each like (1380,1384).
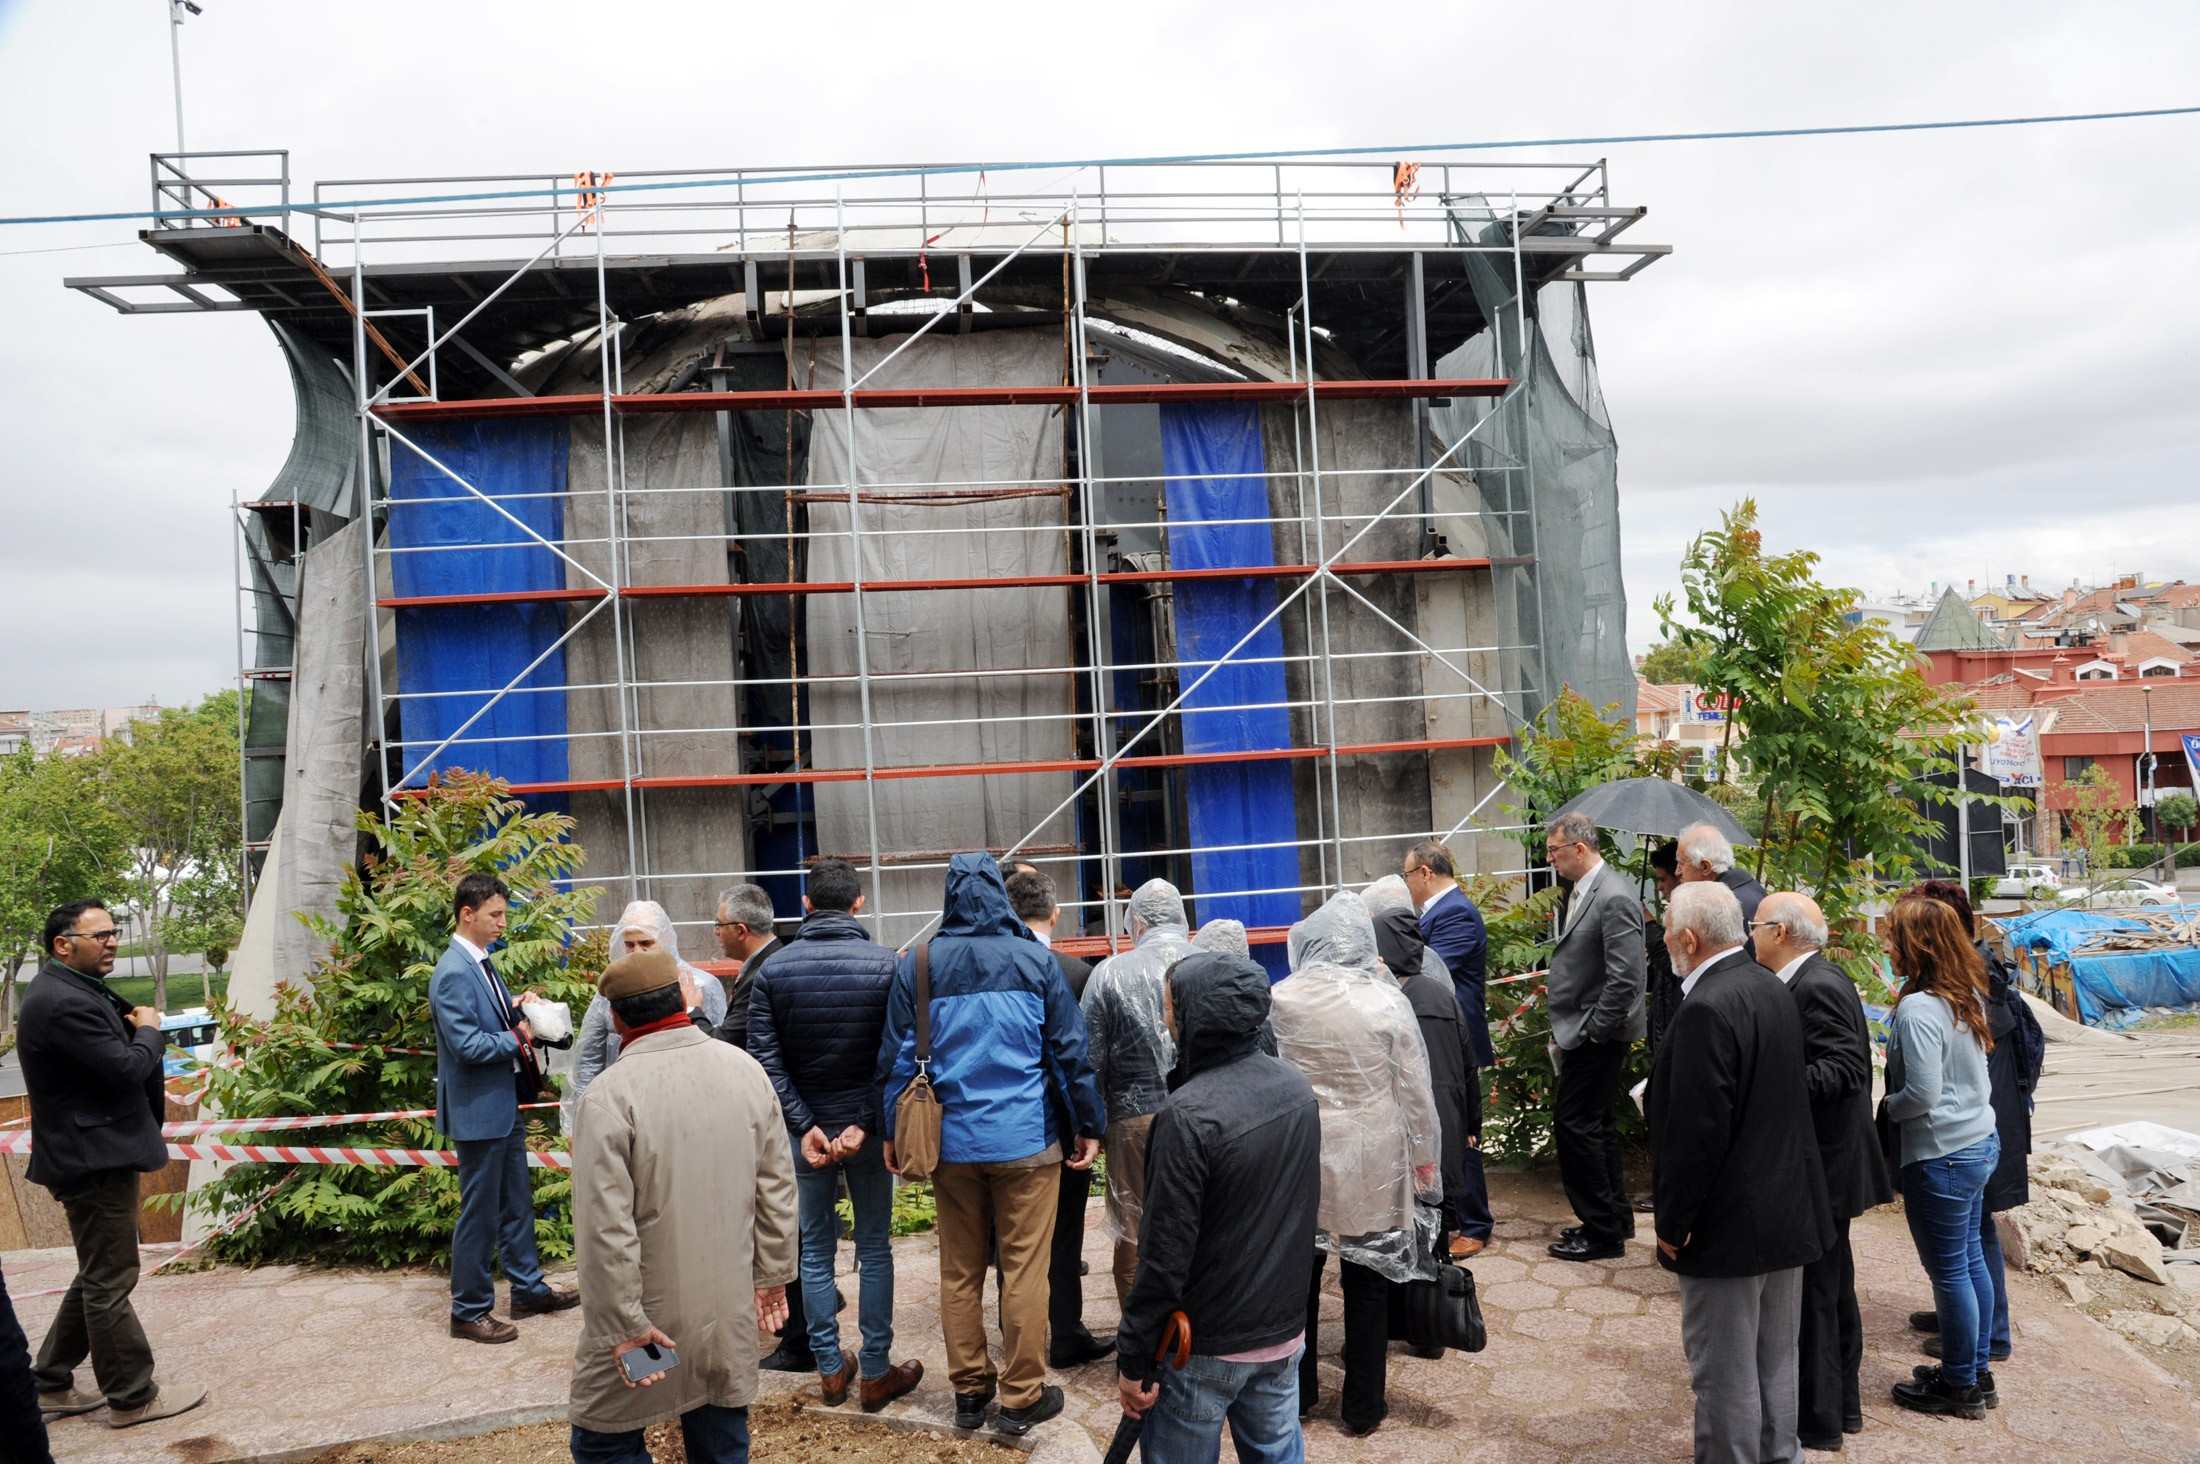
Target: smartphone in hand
(648,1360)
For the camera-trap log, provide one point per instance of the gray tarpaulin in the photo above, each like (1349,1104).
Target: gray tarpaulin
(945,716)
(1379,795)
(325,750)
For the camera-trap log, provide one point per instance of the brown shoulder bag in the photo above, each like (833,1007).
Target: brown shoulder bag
(917,1114)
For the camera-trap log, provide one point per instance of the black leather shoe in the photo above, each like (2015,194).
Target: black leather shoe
(971,1409)
(1925,1321)
(1931,1347)
(1584,1249)
(1830,1445)
(542,1303)
(786,1361)
(1075,1349)
(1925,1372)
(1363,1427)
(1853,1423)
(1572,1232)
(1935,1394)
(1016,1422)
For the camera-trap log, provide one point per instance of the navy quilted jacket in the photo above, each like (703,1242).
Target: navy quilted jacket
(815,1015)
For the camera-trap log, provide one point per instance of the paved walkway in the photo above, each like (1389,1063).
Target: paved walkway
(1584,1363)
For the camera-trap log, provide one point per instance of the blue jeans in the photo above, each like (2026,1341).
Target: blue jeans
(712,1435)
(1260,1400)
(1989,1244)
(496,1210)
(1946,1199)
(871,1191)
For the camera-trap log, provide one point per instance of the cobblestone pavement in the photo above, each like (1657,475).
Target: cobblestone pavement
(1584,1363)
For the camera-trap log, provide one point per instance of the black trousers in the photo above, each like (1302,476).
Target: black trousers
(1366,1344)
(20,1419)
(795,1335)
(96,1319)
(1832,1349)
(1468,1212)
(1065,1280)
(1588,1140)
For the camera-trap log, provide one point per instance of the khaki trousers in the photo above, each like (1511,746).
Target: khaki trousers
(1126,1143)
(1017,1204)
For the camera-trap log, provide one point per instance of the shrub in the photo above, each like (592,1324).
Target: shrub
(372,990)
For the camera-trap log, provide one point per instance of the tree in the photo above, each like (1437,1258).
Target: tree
(58,842)
(2177,812)
(206,915)
(1840,732)
(173,781)
(349,1044)
(2098,813)
(1668,664)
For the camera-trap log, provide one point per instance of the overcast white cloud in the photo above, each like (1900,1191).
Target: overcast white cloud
(1936,356)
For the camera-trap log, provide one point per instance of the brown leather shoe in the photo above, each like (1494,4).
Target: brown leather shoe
(485,1328)
(549,1299)
(835,1385)
(900,1378)
(1467,1247)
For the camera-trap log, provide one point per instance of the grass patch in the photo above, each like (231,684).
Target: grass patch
(183,990)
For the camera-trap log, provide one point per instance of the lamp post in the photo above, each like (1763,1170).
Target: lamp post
(2145,766)
(176,9)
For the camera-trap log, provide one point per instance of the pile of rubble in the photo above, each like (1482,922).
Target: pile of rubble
(2077,1222)
(2106,1201)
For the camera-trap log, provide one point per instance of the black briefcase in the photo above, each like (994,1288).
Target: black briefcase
(1439,1313)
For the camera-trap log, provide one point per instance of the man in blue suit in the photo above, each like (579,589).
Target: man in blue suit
(482,1047)
(1453,929)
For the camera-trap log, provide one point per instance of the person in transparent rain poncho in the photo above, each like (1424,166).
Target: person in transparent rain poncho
(1132,1054)
(1224,938)
(643,926)
(1341,1020)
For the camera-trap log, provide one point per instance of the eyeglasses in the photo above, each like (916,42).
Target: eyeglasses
(105,937)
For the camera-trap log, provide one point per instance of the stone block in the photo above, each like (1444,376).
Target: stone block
(2076,1290)
(2029,1239)
(2149,1327)
(2085,1239)
(2137,1255)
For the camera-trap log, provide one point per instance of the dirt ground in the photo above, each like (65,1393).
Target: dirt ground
(779,1433)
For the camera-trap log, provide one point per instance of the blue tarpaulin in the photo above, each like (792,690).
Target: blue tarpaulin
(1241,803)
(2112,987)
(478,648)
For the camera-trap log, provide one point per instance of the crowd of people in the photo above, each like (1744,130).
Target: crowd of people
(1253,1128)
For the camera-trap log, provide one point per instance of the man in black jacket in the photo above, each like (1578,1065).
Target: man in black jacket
(1233,1182)
(92,1070)
(816,1013)
(1741,1200)
(1069,1342)
(1707,857)
(1837,1069)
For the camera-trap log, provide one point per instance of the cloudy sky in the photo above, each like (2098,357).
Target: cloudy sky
(1939,356)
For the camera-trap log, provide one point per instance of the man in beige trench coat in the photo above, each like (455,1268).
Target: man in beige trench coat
(684,1227)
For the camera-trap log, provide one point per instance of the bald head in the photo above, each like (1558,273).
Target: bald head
(1789,926)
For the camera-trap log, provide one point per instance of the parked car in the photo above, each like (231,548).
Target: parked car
(191,1035)
(2121,893)
(2028,882)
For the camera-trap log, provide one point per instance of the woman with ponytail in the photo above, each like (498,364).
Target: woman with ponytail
(1939,1091)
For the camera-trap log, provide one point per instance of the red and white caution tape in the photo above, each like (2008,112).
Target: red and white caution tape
(193,1128)
(20,1143)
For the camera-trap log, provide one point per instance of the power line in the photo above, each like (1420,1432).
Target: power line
(1161,160)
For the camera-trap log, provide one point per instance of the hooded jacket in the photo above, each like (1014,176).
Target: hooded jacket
(1426,983)
(1008,1047)
(1131,1049)
(1233,1178)
(1341,1020)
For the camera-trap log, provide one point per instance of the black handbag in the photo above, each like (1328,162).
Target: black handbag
(1441,1313)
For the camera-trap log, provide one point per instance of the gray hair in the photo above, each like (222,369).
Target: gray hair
(747,904)
(1710,910)
(1572,828)
(1704,844)
(1795,919)
(1387,893)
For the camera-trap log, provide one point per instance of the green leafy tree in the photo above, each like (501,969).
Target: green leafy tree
(173,781)
(206,916)
(58,841)
(372,990)
(1668,664)
(2178,813)
(1833,724)
(2098,813)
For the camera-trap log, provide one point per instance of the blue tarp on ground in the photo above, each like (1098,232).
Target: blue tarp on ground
(1242,803)
(2112,987)
(477,648)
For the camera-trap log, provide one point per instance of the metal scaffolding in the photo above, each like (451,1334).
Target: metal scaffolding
(857,262)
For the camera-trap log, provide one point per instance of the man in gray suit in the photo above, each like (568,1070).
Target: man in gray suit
(1595,992)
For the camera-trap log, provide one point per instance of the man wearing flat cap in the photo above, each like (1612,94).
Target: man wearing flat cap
(683,1193)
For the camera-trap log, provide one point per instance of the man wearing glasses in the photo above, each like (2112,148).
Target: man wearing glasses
(92,1068)
(1595,993)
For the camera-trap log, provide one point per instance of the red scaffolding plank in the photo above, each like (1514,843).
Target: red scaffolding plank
(991,582)
(820,399)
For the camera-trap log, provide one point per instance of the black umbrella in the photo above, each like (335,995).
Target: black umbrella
(1653,806)
(1177,1338)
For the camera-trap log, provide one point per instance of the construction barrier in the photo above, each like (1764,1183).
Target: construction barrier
(20,1143)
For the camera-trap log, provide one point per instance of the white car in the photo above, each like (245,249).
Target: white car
(2121,892)
(2028,881)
